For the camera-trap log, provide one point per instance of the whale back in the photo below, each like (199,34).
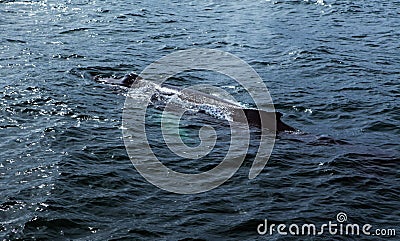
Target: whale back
(253,117)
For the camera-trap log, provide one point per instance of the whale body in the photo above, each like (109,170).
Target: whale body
(254,117)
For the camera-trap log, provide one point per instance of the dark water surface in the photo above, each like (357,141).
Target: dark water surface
(332,67)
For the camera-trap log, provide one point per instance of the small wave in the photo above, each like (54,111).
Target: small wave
(74,30)
(55,226)
(15,41)
(382,126)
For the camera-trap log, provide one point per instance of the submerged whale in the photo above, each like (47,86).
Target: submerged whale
(254,117)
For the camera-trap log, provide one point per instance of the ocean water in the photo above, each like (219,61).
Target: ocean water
(332,68)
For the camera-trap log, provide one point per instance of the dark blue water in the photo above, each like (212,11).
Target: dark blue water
(332,67)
